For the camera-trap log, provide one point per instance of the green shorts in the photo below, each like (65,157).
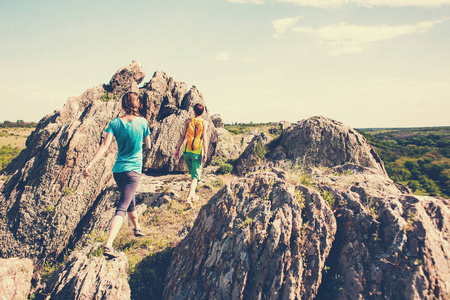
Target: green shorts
(194,164)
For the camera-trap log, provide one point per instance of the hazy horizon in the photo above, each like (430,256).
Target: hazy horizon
(367,64)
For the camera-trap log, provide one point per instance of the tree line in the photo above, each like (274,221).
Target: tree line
(417,158)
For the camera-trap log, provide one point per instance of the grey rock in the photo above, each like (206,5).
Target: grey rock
(254,156)
(217,121)
(47,196)
(227,146)
(257,238)
(167,104)
(280,127)
(247,138)
(15,278)
(324,142)
(127,78)
(391,245)
(86,276)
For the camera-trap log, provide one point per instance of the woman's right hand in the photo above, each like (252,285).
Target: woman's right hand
(177,154)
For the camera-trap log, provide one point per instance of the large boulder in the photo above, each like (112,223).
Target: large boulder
(87,276)
(321,141)
(257,238)
(227,147)
(254,155)
(312,142)
(217,121)
(389,244)
(15,278)
(127,78)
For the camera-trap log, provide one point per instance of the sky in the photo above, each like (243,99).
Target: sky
(365,63)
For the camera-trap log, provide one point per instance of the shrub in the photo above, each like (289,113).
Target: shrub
(260,150)
(328,196)
(225,168)
(106,97)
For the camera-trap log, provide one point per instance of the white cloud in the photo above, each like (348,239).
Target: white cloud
(281,25)
(344,38)
(340,3)
(224,56)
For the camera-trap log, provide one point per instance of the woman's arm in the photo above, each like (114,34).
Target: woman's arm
(183,135)
(148,145)
(205,142)
(100,151)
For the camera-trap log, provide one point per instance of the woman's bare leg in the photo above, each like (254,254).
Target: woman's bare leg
(116,223)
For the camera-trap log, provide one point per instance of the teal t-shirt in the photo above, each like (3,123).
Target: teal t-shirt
(129,137)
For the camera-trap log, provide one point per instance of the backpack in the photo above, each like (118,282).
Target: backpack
(194,134)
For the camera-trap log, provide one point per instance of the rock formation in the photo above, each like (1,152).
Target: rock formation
(167,104)
(227,146)
(257,238)
(388,243)
(15,278)
(254,155)
(324,142)
(280,127)
(87,276)
(311,213)
(47,201)
(217,121)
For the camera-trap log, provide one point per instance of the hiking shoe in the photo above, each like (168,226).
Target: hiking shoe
(110,252)
(188,204)
(138,232)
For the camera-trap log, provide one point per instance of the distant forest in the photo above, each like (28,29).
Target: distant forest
(416,157)
(17,124)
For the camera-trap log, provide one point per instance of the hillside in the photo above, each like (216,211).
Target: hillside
(295,211)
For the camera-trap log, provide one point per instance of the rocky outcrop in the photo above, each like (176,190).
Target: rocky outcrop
(217,121)
(257,238)
(227,147)
(87,276)
(46,196)
(254,156)
(247,138)
(15,278)
(46,202)
(320,141)
(174,104)
(388,244)
(126,79)
(280,127)
(316,141)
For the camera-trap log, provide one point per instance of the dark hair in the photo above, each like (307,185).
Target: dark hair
(198,109)
(130,103)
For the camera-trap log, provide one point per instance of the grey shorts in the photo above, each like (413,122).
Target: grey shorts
(127,183)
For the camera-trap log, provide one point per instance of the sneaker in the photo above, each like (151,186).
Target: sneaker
(138,232)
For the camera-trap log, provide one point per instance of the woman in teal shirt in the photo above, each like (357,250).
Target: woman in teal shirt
(129,130)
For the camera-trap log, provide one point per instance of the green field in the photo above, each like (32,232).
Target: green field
(13,137)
